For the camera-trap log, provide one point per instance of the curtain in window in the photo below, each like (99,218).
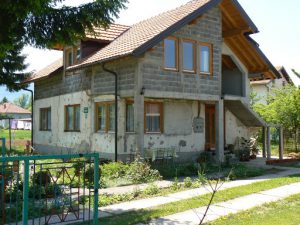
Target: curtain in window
(111,114)
(130,118)
(204,59)
(101,117)
(153,118)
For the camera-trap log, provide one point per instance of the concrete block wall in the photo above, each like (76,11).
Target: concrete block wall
(207,29)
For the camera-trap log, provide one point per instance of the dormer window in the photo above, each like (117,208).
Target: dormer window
(72,55)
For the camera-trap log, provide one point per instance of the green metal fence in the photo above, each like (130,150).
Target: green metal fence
(49,189)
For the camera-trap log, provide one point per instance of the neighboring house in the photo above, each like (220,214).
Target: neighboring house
(10,110)
(183,81)
(262,86)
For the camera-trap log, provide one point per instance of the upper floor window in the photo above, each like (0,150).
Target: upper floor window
(72,55)
(45,119)
(205,61)
(105,116)
(171,53)
(72,118)
(188,49)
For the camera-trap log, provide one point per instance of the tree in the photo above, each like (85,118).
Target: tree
(43,24)
(296,73)
(23,101)
(4,100)
(283,108)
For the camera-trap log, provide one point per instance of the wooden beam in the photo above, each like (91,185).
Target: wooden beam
(235,32)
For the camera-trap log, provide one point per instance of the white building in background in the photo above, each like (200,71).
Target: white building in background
(262,87)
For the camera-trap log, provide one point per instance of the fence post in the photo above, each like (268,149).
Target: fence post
(25,192)
(96,188)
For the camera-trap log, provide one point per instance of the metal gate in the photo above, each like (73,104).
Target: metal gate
(49,189)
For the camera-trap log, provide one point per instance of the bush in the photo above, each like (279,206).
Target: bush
(139,172)
(187,182)
(41,178)
(242,171)
(152,189)
(243,154)
(114,170)
(177,170)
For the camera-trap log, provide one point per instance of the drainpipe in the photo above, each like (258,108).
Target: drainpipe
(116,108)
(25,89)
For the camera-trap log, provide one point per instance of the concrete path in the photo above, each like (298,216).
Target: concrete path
(192,217)
(151,202)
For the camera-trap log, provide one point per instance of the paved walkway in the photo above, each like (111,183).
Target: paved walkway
(192,217)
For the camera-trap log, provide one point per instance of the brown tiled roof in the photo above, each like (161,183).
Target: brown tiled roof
(142,32)
(12,108)
(109,34)
(55,66)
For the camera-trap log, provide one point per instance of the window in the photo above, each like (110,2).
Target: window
(105,116)
(69,57)
(45,119)
(72,118)
(78,54)
(205,54)
(188,50)
(72,55)
(129,117)
(154,117)
(171,54)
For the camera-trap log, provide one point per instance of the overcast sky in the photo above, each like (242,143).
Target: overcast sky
(278,24)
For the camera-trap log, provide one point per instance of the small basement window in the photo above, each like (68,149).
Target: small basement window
(171,54)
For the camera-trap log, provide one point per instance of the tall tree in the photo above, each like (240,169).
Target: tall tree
(42,23)
(4,100)
(23,101)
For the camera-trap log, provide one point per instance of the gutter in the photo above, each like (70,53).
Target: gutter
(116,108)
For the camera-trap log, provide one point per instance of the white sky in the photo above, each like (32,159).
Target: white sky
(277,22)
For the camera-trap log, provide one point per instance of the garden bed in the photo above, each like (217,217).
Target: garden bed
(281,161)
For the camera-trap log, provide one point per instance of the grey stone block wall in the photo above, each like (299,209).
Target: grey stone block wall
(59,85)
(208,29)
(104,82)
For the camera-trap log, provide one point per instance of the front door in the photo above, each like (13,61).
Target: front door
(210,127)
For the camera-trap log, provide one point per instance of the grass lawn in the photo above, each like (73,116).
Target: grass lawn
(143,216)
(284,212)
(19,138)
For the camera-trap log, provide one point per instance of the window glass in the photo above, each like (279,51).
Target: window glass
(170,53)
(129,118)
(205,59)
(101,118)
(153,117)
(49,119)
(188,56)
(72,118)
(45,119)
(77,117)
(78,54)
(111,113)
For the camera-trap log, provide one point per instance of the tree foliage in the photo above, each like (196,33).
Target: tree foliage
(42,23)
(4,100)
(23,101)
(283,109)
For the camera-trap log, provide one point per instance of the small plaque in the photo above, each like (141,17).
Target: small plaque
(198,125)
(85,110)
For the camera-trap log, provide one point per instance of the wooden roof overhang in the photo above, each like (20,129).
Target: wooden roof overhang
(236,28)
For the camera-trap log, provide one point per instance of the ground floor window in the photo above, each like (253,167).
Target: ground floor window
(105,116)
(129,117)
(153,117)
(45,119)
(72,118)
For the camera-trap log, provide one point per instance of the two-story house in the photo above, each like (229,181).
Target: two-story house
(182,80)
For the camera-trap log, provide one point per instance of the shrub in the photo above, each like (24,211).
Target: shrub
(139,172)
(152,189)
(41,178)
(187,182)
(242,171)
(175,184)
(243,154)
(114,170)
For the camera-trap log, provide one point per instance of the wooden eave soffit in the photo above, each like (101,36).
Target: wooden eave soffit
(235,32)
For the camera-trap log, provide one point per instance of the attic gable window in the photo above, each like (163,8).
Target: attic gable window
(205,61)
(171,54)
(72,55)
(189,55)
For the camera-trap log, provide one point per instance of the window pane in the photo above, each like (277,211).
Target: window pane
(153,108)
(188,56)
(49,119)
(130,118)
(153,117)
(170,53)
(78,53)
(204,59)
(70,118)
(70,58)
(77,118)
(111,113)
(101,117)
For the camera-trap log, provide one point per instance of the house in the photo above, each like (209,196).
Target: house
(262,86)
(10,110)
(182,81)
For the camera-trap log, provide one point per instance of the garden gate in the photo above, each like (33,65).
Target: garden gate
(52,189)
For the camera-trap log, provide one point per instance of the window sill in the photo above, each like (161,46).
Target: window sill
(69,131)
(189,71)
(153,132)
(171,69)
(129,132)
(45,130)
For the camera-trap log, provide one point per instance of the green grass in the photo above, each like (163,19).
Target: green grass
(143,216)
(284,212)
(16,134)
